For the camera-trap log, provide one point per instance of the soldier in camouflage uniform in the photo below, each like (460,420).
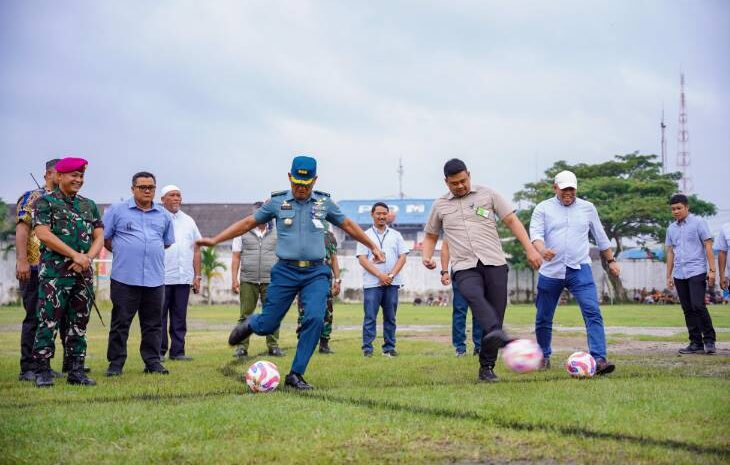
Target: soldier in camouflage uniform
(71,232)
(330,250)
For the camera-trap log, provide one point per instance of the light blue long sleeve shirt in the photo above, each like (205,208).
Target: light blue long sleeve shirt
(687,240)
(138,239)
(393,246)
(564,230)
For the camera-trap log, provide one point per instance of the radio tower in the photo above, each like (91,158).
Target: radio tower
(401,194)
(683,160)
(663,127)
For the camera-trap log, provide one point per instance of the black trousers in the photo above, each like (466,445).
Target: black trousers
(176,307)
(691,294)
(485,289)
(29,293)
(126,302)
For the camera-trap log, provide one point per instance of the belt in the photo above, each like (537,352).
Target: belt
(303,263)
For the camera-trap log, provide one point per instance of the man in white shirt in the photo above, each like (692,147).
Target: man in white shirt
(182,271)
(381,281)
(559,231)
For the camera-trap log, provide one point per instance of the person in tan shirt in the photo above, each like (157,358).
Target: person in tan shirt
(468,215)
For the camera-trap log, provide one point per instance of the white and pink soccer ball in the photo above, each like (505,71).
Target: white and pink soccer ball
(262,376)
(522,355)
(581,365)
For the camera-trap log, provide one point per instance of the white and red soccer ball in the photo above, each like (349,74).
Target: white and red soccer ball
(262,376)
(522,355)
(581,365)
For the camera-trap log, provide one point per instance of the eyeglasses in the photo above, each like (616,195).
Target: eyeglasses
(146,188)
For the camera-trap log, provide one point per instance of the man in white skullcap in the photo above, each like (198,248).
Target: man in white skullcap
(182,271)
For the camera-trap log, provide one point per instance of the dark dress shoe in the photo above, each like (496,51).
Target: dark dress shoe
(710,348)
(156,368)
(545,364)
(367,354)
(692,349)
(240,353)
(240,332)
(28,375)
(390,353)
(276,352)
(486,374)
(181,358)
(603,367)
(296,381)
(113,371)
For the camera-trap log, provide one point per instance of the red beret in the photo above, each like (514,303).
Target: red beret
(71,164)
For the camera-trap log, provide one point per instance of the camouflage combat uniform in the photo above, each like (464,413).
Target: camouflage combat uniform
(63,293)
(330,249)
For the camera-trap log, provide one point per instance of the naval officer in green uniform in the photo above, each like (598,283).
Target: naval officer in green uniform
(300,214)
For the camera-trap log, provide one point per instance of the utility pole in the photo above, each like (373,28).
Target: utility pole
(663,127)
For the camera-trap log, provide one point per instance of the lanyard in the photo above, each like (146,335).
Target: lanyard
(378,236)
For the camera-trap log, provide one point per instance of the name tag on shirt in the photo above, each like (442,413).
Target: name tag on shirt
(483,212)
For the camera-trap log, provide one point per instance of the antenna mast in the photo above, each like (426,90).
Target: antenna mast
(683,154)
(663,127)
(401,171)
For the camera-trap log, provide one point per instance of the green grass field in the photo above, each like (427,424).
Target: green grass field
(422,407)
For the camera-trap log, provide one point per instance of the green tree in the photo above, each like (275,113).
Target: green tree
(209,264)
(516,256)
(630,193)
(7,230)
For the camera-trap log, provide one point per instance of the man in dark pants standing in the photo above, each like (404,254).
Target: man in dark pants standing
(690,267)
(137,232)
(468,217)
(27,258)
(182,271)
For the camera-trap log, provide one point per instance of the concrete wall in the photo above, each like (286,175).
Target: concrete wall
(419,282)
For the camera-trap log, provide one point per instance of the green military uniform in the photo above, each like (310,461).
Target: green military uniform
(63,293)
(330,249)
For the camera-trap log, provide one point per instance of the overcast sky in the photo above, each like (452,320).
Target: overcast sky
(217,97)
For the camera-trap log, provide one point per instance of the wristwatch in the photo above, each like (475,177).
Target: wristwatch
(338,281)
(391,275)
(443,272)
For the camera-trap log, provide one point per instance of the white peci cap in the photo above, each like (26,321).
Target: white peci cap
(566,179)
(169,188)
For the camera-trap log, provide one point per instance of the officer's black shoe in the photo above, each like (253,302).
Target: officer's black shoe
(276,352)
(77,375)
(27,375)
(113,371)
(486,374)
(296,381)
(692,349)
(240,332)
(495,340)
(44,375)
(710,348)
(324,346)
(156,368)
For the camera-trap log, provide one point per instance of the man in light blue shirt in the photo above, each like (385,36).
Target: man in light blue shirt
(137,232)
(689,251)
(381,281)
(559,231)
(723,244)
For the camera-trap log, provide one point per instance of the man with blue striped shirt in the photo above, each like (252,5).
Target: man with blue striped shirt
(559,231)
(689,252)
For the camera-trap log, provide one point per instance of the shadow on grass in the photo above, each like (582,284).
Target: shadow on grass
(516,425)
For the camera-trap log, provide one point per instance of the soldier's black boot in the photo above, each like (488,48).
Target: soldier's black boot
(324,346)
(67,361)
(77,375)
(43,375)
(240,332)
